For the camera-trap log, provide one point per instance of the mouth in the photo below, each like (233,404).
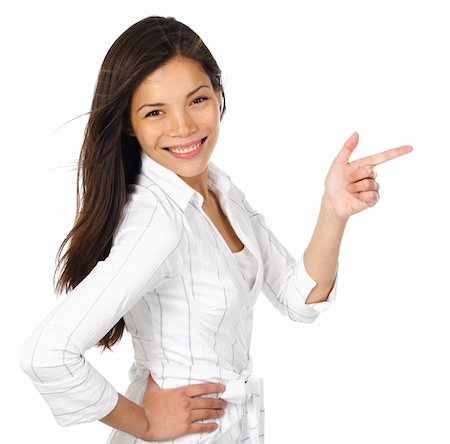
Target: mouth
(185,152)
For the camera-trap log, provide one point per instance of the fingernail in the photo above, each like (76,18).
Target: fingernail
(224,387)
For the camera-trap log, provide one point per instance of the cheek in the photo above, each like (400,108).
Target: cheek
(213,116)
(149,135)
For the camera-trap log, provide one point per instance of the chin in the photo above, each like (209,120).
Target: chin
(191,167)
(191,170)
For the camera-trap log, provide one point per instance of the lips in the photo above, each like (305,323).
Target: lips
(186,145)
(191,151)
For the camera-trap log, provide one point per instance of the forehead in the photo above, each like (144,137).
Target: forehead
(178,76)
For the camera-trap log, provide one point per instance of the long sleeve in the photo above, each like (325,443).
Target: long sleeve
(286,282)
(144,249)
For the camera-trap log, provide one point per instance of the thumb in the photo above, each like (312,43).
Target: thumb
(347,149)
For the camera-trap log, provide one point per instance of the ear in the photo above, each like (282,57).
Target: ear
(219,99)
(128,129)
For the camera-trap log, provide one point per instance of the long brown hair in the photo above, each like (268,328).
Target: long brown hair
(110,157)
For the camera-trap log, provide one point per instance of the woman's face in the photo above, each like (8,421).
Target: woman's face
(176,106)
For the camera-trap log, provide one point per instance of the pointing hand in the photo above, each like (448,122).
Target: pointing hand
(350,187)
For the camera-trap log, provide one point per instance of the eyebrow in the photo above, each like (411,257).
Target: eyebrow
(162,104)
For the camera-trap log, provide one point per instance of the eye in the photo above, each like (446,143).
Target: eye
(201,99)
(151,113)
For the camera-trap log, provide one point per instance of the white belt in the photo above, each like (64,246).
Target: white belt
(248,391)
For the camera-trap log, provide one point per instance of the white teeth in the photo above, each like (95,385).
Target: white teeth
(185,150)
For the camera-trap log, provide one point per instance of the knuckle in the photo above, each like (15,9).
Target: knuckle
(184,390)
(185,417)
(186,403)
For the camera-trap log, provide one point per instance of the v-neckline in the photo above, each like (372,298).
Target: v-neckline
(218,208)
(242,252)
(241,235)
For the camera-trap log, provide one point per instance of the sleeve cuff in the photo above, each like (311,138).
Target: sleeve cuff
(81,402)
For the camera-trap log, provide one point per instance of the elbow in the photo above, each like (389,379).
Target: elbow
(26,358)
(46,357)
(305,316)
(31,353)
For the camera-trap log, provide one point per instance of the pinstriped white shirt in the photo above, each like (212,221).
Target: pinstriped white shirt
(186,301)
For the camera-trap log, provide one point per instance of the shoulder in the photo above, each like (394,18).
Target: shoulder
(238,197)
(146,210)
(225,182)
(235,194)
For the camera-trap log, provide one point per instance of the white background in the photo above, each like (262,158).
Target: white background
(300,77)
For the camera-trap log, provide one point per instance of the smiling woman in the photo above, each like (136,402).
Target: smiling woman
(166,245)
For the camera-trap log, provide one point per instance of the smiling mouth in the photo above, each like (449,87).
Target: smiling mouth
(186,149)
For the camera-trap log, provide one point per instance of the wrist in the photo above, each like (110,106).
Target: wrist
(130,418)
(327,209)
(145,424)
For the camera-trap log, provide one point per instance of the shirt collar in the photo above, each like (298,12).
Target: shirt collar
(176,187)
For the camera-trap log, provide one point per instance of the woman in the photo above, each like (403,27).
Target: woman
(166,245)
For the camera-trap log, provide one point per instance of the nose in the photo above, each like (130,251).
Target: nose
(182,124)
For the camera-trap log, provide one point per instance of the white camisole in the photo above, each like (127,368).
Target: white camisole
(248,265)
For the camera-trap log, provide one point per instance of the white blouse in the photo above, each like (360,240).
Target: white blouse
(187,302)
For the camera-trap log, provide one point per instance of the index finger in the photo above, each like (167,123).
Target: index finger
(202,388)
(376,159)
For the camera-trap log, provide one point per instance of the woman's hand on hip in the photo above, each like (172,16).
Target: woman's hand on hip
(172,412)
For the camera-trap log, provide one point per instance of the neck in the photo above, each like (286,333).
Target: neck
(200,184)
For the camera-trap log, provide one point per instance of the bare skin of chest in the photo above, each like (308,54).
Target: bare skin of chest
(214,212)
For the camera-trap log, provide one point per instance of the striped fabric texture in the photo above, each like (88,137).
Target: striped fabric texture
(187,301)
